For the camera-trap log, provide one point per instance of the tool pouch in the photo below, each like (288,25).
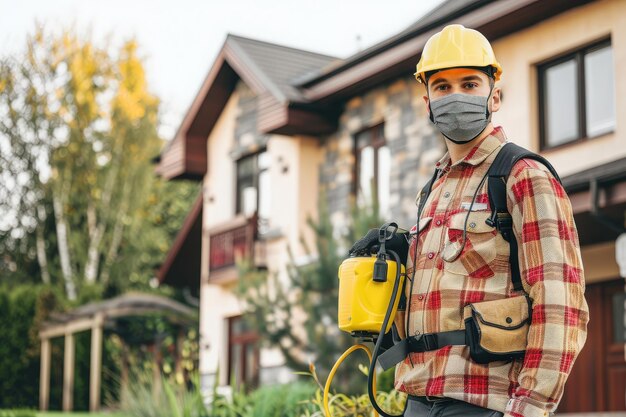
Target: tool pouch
(497,330)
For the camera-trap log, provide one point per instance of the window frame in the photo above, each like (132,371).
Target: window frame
(377,141)
(255,179)
(578,56)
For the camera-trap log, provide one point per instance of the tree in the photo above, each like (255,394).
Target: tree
(78,132)
(312,289)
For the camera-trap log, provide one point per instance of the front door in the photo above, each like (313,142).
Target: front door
(243,354)
(598,379)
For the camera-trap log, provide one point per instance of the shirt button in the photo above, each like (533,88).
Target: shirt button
(420,297)
(438,222)
(472,225)
(431,255)
(446,194)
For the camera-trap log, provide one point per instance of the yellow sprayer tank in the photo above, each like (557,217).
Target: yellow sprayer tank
(363,302)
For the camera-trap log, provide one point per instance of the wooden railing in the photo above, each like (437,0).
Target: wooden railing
(235,240)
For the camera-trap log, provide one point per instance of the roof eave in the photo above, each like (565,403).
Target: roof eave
(493,19)
(189,237)
(388,44)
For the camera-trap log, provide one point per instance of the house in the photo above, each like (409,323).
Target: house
(271,126)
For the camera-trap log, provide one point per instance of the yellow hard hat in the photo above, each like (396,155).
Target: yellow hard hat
(456,46)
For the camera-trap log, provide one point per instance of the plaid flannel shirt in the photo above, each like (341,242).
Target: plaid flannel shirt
(551,270)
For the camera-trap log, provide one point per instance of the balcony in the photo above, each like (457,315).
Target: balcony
(233,241)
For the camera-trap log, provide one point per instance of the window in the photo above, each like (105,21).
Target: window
(577,99)
(253,186)
(243,353)
(373,168)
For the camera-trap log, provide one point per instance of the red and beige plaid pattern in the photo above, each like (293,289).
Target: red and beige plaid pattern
(551,270)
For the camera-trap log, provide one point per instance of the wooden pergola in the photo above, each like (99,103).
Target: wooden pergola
(95,317)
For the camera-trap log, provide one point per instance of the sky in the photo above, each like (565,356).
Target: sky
(179,40)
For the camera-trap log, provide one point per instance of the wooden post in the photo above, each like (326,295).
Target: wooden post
(156,370)
(68,373)
(44,375)
(124,371)
(178,364)
(95,369)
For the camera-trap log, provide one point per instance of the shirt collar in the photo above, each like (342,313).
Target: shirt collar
(478,153)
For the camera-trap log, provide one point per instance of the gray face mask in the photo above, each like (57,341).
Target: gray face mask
(460,117)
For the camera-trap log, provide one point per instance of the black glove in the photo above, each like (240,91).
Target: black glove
(368,245)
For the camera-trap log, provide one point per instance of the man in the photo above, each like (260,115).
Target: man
(461,259)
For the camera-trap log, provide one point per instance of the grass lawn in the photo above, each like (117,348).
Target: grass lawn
(77,414)
(81,414)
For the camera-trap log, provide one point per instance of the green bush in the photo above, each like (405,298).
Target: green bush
(282,400)
(22,309)
(164,397)
(146,397)
(238,405)
(385,379)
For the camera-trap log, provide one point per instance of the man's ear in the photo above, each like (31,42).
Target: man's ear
(495,99)
(429,112)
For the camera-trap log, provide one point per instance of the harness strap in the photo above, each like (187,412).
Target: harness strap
(498,172)
(425,192)
(421,343)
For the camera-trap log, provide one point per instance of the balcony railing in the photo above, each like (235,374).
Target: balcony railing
(232,241)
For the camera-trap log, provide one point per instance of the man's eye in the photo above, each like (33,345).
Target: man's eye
(441,87)
(471,85)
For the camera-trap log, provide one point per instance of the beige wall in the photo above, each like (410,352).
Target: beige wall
(294,174)
(308,165)
(518,55)
(215,302)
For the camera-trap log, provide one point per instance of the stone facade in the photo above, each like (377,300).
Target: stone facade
(247,138)
(414,146)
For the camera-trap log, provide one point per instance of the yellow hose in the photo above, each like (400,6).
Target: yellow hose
(334,370)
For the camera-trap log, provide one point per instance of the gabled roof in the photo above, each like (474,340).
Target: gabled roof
(124,305)
(268,70)
(278,65)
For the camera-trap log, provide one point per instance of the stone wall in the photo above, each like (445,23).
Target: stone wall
(247,138)
(413,143)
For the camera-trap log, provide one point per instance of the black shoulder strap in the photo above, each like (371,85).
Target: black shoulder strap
(498,172)
(424,193)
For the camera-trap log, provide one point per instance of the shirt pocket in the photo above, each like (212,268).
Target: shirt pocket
(418,230)
(475,258)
